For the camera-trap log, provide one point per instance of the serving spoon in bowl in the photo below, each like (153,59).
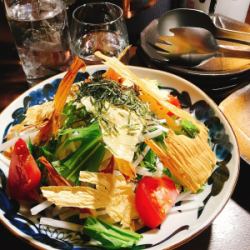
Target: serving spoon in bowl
(184,17)
(198,40)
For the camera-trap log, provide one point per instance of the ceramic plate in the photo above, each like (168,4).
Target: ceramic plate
(180,226)
(240,121)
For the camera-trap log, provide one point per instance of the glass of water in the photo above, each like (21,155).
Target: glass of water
(41,33)
(98,27)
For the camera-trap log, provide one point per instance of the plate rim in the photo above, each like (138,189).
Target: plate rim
(40,245)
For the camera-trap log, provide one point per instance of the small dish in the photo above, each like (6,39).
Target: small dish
(236,108)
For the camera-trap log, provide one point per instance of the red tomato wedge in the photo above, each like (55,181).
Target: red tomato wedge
(175,101)
(153,198)
(24,174)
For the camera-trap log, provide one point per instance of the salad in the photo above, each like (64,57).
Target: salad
(109,155)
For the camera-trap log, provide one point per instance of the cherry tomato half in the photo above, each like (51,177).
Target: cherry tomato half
(153,198)
(24,174)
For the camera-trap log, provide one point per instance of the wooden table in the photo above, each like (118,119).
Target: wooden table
(230,230)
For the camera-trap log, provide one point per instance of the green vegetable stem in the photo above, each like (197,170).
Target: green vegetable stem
(188,128)
(75,158)
(110,236)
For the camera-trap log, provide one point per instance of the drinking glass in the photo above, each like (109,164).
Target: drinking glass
(98,27)
(41,33)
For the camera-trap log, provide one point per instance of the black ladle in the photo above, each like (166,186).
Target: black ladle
(183,17)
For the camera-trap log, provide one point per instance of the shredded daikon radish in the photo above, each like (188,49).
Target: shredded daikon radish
(162,121)
(186,197)
(25,136)
(40,207)
(153,134)
(5,163)
(144,172)
(153,126)
(61,224)
(163,128)
(182,196)
(141,156)
(4,160)
(187,206)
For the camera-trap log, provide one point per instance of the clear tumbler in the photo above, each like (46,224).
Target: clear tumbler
(41,33)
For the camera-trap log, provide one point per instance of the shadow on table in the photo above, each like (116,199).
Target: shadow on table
(201,240)
(241,192)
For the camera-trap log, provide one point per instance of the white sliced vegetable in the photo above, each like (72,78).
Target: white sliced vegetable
(153,134)
(25,136)
(187,206)
(182,196)
(187,197)
(40,207)
(159,168)
(61,224)
(141,156)
(4,160)
(164,129)
(162,121)
(144,172)
(154,126)
(5,163)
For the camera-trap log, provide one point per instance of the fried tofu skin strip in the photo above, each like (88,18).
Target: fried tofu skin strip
(77,196)
(190,160)
(35,117)
(125,167)
(109,192)
(184,156)
(53,124)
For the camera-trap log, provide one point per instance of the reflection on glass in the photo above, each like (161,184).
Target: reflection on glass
(41,33)
(98,26)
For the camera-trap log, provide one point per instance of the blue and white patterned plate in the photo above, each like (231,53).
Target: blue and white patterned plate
(179,227)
